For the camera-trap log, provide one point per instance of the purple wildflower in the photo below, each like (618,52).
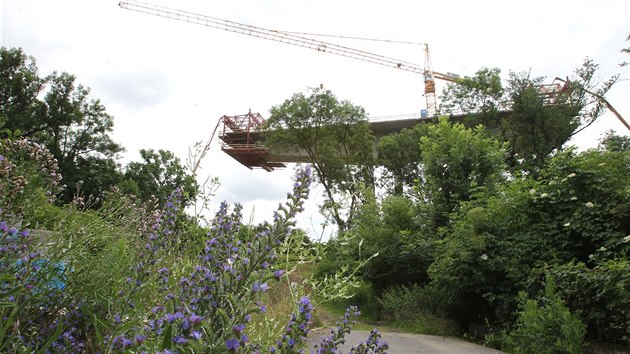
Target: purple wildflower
(232,344)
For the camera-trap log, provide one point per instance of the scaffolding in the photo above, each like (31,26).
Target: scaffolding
(241,139)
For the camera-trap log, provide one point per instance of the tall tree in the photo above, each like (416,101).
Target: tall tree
(76,130)
(613,142)
(20,85)
(338,142)
(158,175)
(457,164)
(534,118)
(400,154)
(73,126)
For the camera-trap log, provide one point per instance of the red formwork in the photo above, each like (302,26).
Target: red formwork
(241,139)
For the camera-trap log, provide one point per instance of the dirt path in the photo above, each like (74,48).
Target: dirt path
(404,343)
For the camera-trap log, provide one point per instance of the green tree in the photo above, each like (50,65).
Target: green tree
(613,142)
(76,129)
(389,228)
(457,164)
(534,118)
(481,94)
(400,154)
(600,294)
(338,141)
(20,85)
(58,113)
(157,176)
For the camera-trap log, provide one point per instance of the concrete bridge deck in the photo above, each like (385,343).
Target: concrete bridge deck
(245,142)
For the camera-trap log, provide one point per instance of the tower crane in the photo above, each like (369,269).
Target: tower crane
(290,38)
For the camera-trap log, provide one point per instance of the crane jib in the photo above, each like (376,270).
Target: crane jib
(301,41)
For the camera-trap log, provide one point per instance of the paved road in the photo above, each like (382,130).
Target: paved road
(405,343)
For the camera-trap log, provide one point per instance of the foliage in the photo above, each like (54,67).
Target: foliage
(106,280)
(418,309)
(211,303)
(400,154)
(478,267)
(405,303)
(157,175)
(576,210)
(612,142)
(20,84)
(31,293)
(96,250)
(482,93)
(59,114)
(28,173)
(533,118)
(457,164)
(389,230)
(545,325)
(601,295)
(336,139)
(484,261)
(76,129)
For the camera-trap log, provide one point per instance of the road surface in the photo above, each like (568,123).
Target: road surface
(405,343)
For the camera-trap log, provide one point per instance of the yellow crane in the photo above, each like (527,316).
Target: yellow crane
(302,41)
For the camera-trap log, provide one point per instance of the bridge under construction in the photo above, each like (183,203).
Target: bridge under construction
(242,138)
(241,135)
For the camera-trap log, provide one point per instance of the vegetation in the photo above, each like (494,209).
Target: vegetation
(545,325)
(130,271)
(338,142)
(490,226)
(475,212)
(59,114)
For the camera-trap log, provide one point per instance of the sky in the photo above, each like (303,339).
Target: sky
(167,83)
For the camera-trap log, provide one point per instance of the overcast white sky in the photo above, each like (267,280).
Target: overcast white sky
(167,82)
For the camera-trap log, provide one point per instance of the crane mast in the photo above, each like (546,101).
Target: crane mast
(301,41)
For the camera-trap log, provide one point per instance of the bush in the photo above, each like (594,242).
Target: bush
(400,303)
(417,309)
(545,325)
(601,295)
(28,174)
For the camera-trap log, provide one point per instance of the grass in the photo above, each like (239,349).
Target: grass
(422,324)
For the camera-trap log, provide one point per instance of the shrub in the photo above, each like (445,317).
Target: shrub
(399,303)
(28,172)
(545,325)
(416,308)
(600,294)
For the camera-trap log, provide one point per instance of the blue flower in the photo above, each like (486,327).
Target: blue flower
(195,319)
(238,328)
(232,344)
(180,340)
(196,335)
